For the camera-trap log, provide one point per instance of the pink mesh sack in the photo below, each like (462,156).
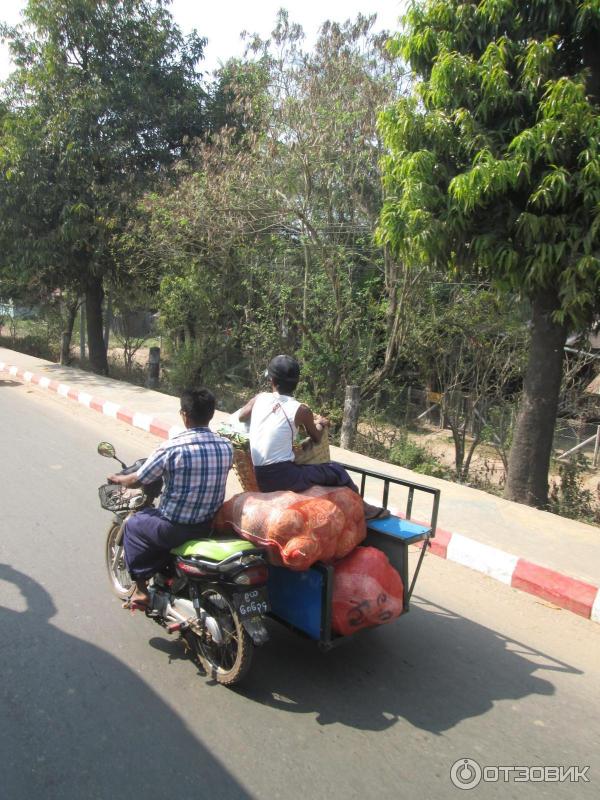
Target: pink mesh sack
(297,529)
(367,591)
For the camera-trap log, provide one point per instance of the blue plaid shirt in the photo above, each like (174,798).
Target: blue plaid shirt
(194,466)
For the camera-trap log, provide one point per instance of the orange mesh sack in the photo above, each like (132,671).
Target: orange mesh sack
(367,591)
(297,529)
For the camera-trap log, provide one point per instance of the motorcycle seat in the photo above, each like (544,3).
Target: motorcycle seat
(214,549)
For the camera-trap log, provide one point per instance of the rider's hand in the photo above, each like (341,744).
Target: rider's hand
(113,479)
(322,421)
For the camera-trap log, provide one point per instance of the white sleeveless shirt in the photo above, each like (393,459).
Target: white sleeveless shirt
(272,428)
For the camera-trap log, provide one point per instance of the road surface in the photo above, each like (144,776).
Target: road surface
(98,703)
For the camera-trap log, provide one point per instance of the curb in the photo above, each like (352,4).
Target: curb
(562,590)
(144,422)
(569,593)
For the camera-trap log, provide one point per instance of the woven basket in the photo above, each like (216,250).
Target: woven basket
(309,452)
(305,452)
(244,469)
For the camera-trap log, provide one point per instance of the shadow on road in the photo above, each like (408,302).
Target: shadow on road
(77,723)
(432,668)
(7,383)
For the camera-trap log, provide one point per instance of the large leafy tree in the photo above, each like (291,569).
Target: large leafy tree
(494,167)
(278,213)
(103,95)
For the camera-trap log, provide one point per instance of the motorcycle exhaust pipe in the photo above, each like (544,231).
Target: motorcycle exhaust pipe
(181,610)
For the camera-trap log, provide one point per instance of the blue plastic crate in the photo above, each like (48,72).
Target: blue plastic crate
(297,598)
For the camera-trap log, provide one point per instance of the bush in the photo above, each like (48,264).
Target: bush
(136,373)
(407,453)
(32,345)
(568,497)
(371,447)
(185,368)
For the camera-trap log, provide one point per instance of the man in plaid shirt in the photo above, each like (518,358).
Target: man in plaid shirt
(193,466)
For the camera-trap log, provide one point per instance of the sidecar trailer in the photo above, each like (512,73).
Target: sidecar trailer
(302,600)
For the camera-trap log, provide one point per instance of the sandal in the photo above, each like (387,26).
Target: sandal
(135,605)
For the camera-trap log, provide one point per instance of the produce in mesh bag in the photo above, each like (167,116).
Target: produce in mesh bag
(367,591)
(297,529)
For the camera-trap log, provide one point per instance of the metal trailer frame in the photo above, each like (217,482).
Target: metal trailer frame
(302,601)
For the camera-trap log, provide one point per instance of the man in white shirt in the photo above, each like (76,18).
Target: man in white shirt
(274,420)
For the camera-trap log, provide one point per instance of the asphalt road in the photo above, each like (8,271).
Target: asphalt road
(98,703)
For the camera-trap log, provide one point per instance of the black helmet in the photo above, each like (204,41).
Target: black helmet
(283,368)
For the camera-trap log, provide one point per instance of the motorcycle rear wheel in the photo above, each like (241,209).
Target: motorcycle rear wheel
(226,663)
(120,580)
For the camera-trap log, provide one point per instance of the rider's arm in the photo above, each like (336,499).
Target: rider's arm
(314,425)
(246,412)
(151,470)
(130,481)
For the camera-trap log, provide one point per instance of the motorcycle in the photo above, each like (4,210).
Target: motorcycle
(212,592)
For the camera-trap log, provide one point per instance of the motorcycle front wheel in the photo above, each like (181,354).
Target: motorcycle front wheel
(228,661)
(120,580)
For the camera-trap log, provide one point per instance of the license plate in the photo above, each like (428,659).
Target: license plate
(252,603)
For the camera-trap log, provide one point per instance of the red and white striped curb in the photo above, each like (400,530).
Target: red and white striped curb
(574,595)
(145,422)
(569,593)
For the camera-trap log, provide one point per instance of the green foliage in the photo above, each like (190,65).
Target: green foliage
(498,427)
(36,345)
(40,333)
(494,162)
(124,369)
(405,452)
(492,170)
(468,345)
(264,243)
(568,497)
(468,338)
(102,97)
(184,370)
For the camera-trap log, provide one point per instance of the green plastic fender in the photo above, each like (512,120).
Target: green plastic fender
(213,549)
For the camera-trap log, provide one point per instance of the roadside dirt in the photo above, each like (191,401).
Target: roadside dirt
(486,465)
(140,357)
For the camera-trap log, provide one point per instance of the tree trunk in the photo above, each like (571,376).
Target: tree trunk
(108,320)
(65,346)
(82,331)
(350,419)
(400,287)
(94,295)
(529,459)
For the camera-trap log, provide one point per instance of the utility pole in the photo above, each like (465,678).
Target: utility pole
(350,418)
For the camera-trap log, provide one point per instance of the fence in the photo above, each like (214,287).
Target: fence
(418,406)
(572,437)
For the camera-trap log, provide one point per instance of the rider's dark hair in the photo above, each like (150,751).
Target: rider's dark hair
(284,371)
(198,404)
(285,387)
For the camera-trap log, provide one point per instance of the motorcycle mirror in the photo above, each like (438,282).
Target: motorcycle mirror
(106,449)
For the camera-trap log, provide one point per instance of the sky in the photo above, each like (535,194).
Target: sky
(221,23)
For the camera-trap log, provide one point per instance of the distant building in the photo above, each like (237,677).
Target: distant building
(7,309)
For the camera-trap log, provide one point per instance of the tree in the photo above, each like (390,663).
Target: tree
(494,168)
(277,213)
(323,119)
(103,95)
(469,348)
